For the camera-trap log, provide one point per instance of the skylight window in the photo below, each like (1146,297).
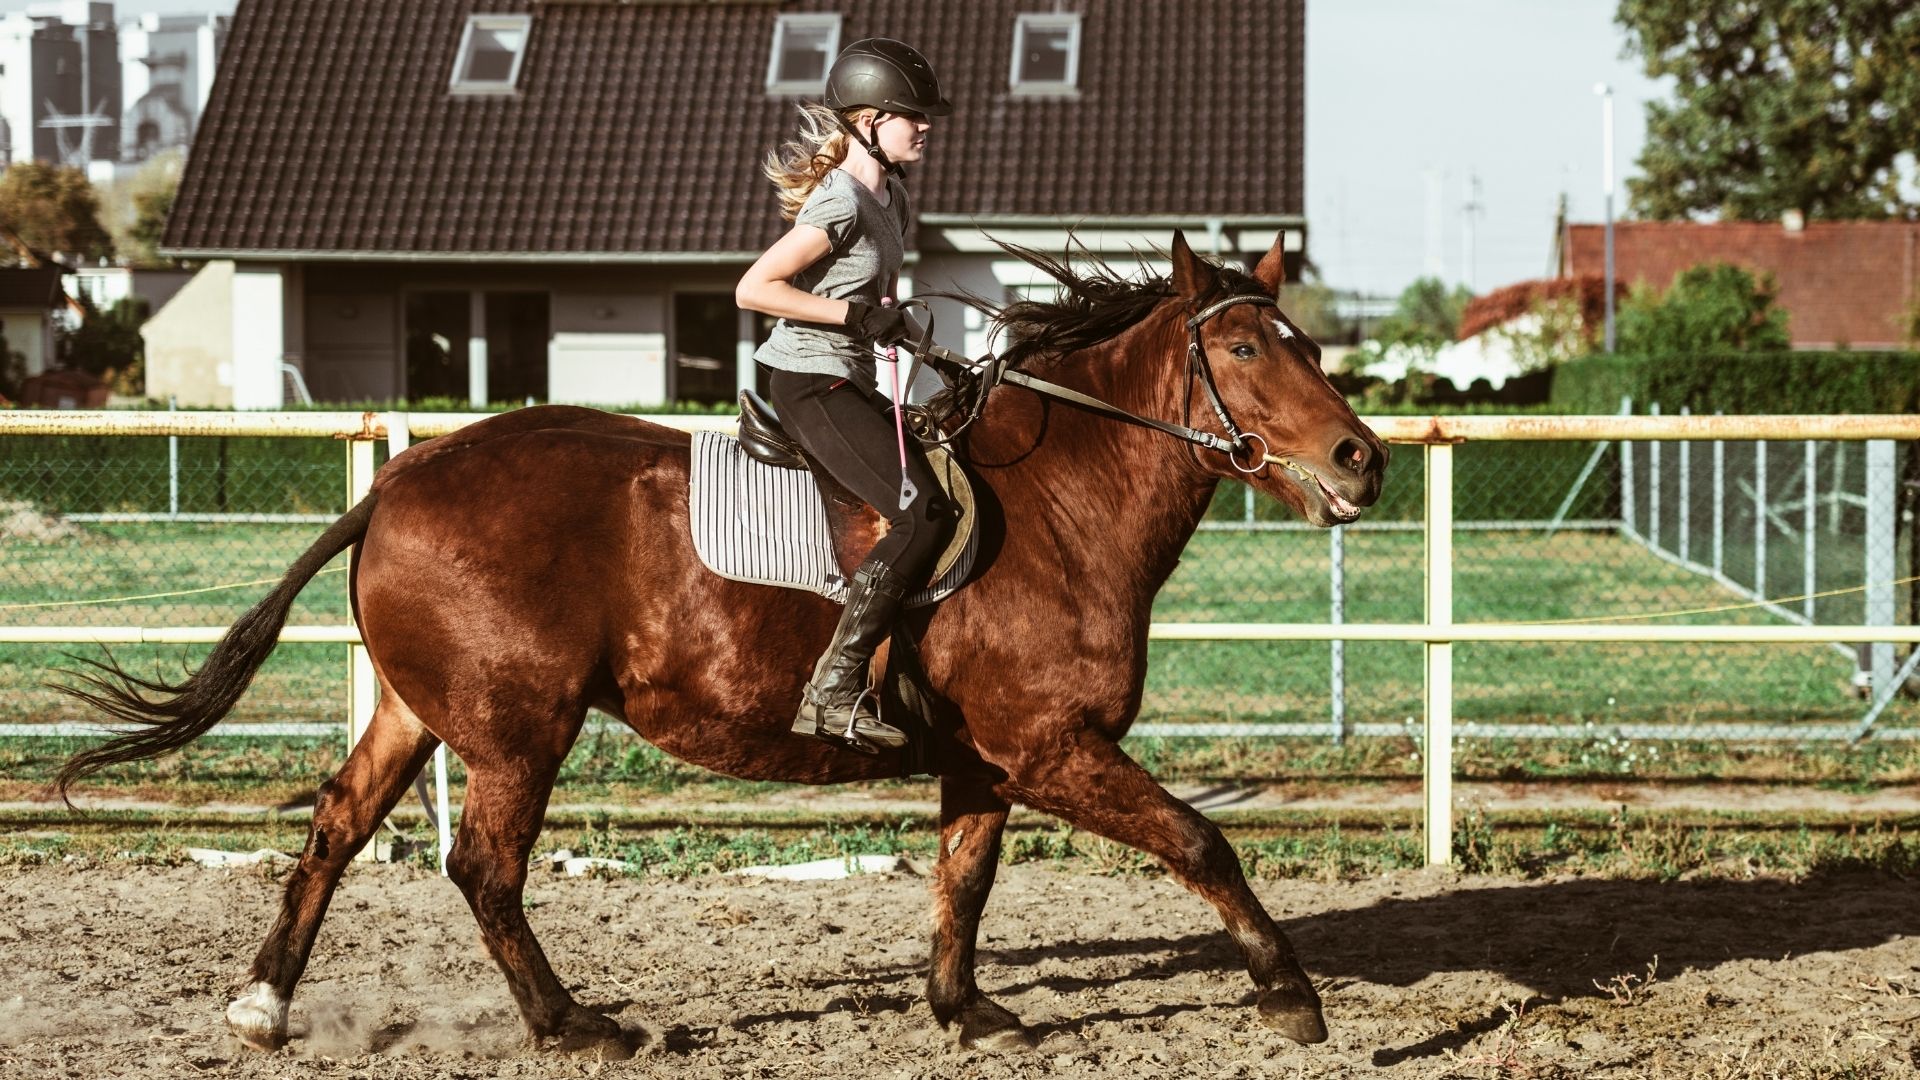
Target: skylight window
(1046,54)
(803,49)
(491,50)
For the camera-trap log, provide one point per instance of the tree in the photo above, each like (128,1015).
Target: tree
(1802,105)
(53,209)
(1426,317)
(13,370)
(108,343)
(135,209)
(1717,307)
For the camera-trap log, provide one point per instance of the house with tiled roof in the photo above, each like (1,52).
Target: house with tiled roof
(552,199)
(1842,283)
(29,296)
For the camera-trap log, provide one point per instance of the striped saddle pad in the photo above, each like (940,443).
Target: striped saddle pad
(769,525)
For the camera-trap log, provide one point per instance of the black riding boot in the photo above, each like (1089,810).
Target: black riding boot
(837,705)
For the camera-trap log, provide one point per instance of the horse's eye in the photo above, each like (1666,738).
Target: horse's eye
(1245,352)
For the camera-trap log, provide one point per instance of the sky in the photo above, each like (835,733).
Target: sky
(1406,98)
(1406,94)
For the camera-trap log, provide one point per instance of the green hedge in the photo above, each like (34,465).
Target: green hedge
(1818,383)
(77,474)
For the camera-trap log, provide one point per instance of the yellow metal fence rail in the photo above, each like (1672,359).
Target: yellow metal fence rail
(1438,435)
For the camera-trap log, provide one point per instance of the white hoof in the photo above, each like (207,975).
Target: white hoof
(259,1017)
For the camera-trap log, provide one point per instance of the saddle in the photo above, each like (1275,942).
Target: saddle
(760,513)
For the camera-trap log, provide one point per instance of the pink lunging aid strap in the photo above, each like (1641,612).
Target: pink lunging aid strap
(907,490)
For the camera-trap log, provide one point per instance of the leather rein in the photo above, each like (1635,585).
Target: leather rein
(992,370)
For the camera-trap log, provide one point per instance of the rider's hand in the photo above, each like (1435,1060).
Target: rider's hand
(880,325)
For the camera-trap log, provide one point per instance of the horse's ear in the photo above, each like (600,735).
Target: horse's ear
(1191,276)
(1272,271)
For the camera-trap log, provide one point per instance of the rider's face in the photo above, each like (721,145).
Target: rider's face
(903,136)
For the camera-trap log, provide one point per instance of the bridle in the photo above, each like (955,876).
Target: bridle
(992,370)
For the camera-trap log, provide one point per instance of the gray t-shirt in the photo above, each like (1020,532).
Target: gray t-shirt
(868,246)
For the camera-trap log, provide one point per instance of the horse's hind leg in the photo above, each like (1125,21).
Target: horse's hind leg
(506,801)
(346,812)
(1097,787)
(972,819)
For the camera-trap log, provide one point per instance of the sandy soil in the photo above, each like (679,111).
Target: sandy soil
(124,971)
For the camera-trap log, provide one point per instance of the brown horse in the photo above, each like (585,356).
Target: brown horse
(537,564)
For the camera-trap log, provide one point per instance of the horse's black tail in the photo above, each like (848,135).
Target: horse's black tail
(167,715)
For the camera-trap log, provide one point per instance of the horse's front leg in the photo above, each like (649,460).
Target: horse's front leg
(1097,787)
(972,819)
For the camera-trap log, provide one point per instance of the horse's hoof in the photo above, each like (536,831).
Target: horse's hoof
(986,1026)
(259,1018)
(1295,1017)
(585,1033)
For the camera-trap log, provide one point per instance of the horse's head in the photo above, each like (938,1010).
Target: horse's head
(1303,444)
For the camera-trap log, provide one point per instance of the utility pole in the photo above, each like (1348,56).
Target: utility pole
(1606,187)
(1436,265)
(1472,210)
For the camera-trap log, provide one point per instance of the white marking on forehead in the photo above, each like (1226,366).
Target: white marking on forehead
(1285,330)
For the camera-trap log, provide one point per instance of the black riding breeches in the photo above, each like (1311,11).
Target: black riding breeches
(851,435)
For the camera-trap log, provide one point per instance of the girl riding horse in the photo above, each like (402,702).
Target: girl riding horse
(827,279)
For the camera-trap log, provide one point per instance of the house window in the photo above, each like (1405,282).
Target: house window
(1046,54)
(803,49)
(490,53)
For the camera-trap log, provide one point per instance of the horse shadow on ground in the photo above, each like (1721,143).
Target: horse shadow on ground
(1557,941)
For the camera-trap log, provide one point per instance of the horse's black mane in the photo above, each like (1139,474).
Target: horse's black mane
(1095,304)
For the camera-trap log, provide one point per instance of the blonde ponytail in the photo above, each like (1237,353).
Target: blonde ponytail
(797,167)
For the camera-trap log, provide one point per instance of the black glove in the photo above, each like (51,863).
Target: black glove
(880,325)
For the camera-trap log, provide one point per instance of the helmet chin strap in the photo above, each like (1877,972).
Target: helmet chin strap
(872,146)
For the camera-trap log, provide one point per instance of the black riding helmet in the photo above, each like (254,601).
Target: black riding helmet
(883,74)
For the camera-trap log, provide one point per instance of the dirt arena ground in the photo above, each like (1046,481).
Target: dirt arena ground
(114,970)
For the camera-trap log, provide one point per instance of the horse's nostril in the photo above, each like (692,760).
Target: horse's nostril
(1351,454)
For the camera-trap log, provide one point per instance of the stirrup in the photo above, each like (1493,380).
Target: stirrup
(863,732)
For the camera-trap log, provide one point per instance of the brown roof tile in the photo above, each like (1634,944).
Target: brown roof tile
(1840,281)
(639,127)
(35,287)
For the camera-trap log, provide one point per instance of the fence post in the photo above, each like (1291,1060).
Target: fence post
(1439,656)
(173,463)
(1882,540)
(1626,475)
(1653,486)
(1719,504)
(1684,512)
(361,686)
(1809,546)
(1760,519)
(399,437)
(1338,615)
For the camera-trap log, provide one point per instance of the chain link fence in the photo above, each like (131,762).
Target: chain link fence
(1565,532)
(142,531)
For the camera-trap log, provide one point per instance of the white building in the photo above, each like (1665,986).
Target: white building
(60,84)
(79,89)
(168,63)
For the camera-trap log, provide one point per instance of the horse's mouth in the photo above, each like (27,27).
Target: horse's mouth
(1339,507)
(1334,508)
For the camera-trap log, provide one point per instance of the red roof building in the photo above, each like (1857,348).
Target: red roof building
(1851,283)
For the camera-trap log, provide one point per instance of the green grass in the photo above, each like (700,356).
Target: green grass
(1225,577)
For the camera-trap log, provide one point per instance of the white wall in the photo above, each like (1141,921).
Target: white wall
(608,349)
(26,334)
(190,341)
(259,335)
(16,86)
